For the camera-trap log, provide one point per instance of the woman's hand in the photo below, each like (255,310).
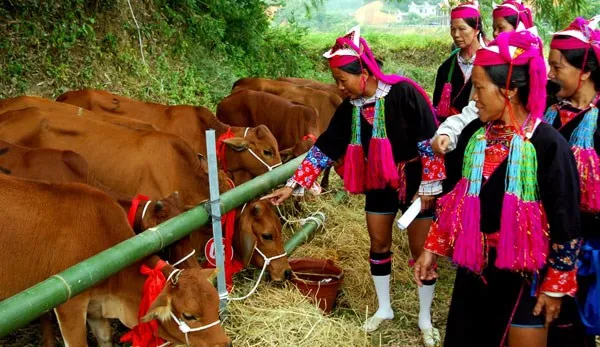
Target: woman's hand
(548,304)
(427,201)
(424,267)
(279,196)
(440,144)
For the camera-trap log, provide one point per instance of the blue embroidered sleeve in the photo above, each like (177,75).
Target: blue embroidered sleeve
(563,256)
(310,168)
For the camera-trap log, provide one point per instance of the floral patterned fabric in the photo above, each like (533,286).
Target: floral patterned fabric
(432,163)
(310,168)
(437,241)
(562,272)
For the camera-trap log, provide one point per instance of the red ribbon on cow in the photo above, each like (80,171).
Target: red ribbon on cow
(146,334)
(310,136)
(232,265)
(221,147)
(135,203)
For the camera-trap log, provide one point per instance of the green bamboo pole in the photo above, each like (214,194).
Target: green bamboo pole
(22,308)
(301,236)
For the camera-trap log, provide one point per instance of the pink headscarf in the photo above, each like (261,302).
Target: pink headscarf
(580,34)
(514,8)
(519,48)
(351,47)
(466,10)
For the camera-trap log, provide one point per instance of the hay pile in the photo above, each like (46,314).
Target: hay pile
(281,316)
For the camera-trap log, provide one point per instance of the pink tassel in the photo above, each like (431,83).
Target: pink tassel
(402,182)
(354,169)
(382,171)
(538,234)
(468,249)
(443,107)
(447,207)
(509,225)
(523,244)
(588,166)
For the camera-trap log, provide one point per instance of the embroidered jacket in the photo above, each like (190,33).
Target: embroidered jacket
(559,193)
(409,124)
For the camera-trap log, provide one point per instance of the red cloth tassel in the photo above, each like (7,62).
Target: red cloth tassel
(146,334)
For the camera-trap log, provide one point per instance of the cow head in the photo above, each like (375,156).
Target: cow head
(298,149)
(251,153)
(192,298)
(161,211)
(258,226)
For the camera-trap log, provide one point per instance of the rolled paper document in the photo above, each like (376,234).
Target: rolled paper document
(410,214)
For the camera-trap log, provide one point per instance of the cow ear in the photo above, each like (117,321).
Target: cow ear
(238,144)
(262,131)
(211,275)
(287,154)
(160,309)
(244,245)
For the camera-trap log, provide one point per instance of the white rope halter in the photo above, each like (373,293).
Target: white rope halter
(185,329)
(266,263)
(269,167)
(145,208)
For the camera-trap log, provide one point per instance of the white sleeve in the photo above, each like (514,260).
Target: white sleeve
(453,125)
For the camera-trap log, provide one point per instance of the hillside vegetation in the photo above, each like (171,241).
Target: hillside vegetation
(193,50)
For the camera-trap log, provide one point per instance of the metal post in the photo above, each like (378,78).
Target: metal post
(215,208)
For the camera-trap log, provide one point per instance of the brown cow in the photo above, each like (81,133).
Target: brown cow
(256,227)
(84,222)
(327,87)
(324,102)
(291,124)
(155,163)
(129,161)
(187,122)
(57,166)
(22,102)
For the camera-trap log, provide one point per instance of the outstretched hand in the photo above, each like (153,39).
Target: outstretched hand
(279,196)
(424,268)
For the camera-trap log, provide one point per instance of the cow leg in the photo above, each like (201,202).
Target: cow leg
(99,325)
(102,330)
(71,318)
(325,179)
(47,329)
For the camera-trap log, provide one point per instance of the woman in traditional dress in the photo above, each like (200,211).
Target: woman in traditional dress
(453,80)
(509,16)
(383,127)
(575,65)
(511,221)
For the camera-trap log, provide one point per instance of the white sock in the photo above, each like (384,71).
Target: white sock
(382,287)
(425,300)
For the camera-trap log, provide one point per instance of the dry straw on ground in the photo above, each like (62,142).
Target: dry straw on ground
(281,316)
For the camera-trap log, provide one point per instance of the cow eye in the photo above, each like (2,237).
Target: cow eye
(268,152)
(188,316)
(267,237)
